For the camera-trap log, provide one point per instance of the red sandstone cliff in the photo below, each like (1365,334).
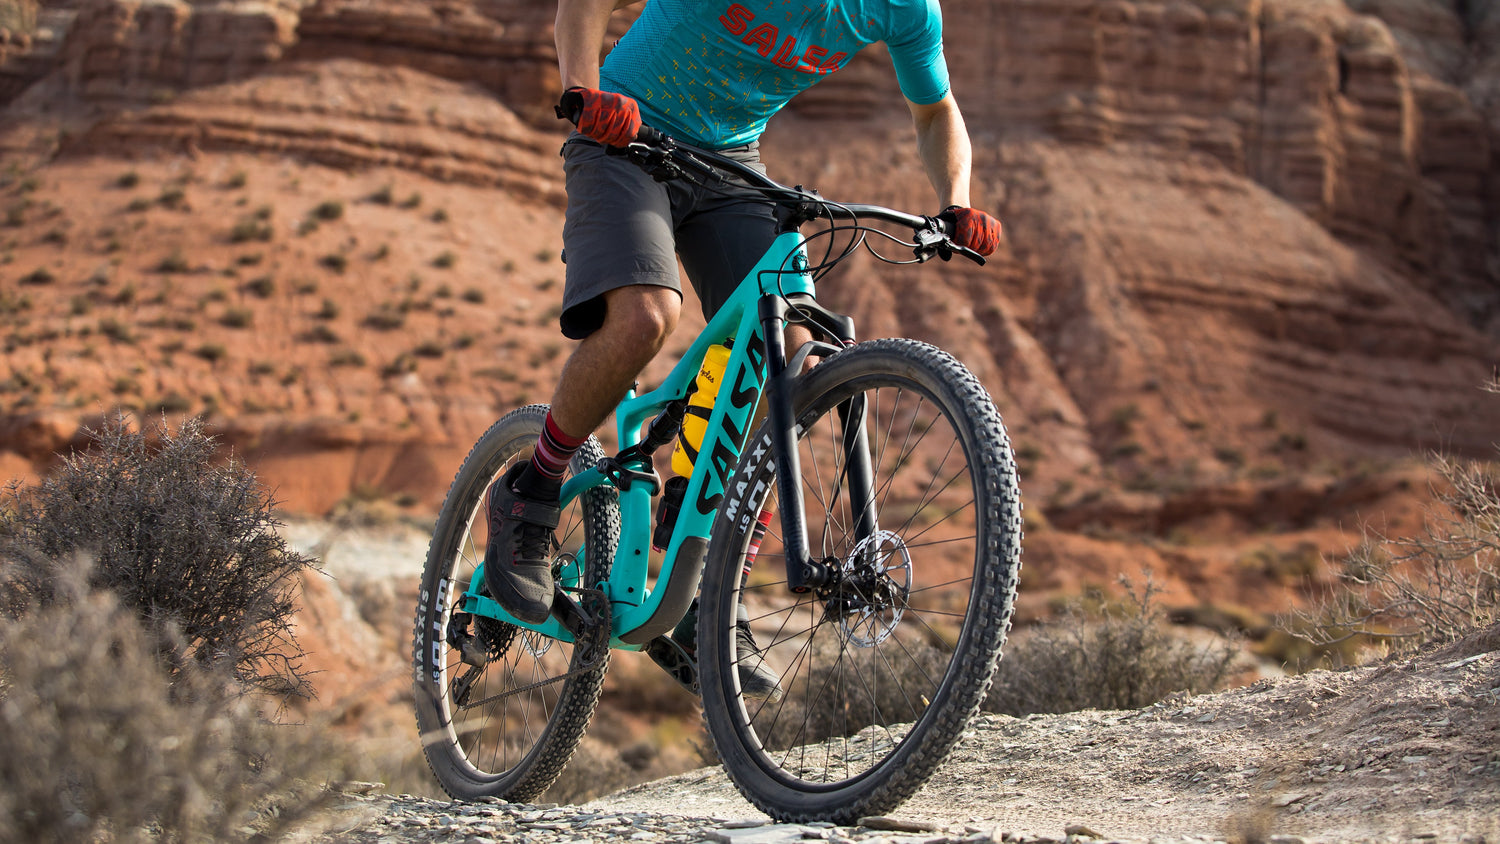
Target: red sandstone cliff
(1251,243)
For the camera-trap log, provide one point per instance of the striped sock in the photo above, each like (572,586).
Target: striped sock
(757,535)
(554,450)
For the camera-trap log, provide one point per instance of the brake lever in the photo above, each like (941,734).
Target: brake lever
(932,240)
(658,155)
(655,160)
(967,253)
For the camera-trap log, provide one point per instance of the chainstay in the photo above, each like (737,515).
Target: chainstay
(599,648)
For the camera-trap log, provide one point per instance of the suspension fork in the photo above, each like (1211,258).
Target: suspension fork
(803,573)
(858,466)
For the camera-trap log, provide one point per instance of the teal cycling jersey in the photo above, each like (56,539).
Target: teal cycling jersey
(713,72)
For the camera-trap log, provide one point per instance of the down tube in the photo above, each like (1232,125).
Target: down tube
(727,431)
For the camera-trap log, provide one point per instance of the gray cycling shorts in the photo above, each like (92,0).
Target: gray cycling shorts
(623,228)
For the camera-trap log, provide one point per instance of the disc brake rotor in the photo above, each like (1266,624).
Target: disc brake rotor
(876,583)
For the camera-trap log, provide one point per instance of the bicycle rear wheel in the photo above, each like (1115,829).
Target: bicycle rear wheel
(506,720)
(881,670)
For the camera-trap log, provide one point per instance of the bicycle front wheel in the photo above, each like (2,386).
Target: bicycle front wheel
(878,671)
(499,708)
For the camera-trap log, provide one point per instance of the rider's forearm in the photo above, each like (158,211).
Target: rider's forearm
(579,32)
(943,144)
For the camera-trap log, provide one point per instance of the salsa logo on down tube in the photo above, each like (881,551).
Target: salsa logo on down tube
(742,398)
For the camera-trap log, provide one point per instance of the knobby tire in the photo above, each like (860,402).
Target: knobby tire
(513,746)
(880,675)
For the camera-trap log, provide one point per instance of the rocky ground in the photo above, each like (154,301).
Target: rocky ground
(1407,750)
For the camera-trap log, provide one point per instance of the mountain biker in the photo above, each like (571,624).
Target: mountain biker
(710,74)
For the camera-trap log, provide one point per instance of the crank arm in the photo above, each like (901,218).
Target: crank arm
(572,614)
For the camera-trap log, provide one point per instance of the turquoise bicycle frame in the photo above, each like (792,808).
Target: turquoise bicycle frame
(639,614)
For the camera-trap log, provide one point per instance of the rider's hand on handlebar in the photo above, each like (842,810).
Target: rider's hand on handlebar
(972,229)
(609,118)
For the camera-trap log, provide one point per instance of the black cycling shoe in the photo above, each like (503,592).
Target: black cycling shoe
(757,680)
(518,557)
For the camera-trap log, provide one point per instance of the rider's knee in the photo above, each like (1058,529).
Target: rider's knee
(647,314)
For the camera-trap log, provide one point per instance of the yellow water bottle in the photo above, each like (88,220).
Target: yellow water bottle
(700,406)
(689,440)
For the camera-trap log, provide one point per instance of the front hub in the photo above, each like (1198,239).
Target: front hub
(873,589)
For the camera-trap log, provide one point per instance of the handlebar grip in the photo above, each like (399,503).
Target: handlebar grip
(946,224)
(569,106)
(935,238)
(649,136)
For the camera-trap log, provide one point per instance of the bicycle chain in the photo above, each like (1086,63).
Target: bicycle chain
(577,672)
(590,665)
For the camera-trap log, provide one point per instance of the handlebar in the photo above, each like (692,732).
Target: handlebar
(666,158)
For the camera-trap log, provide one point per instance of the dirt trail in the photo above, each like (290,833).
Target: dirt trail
(1407,751)
(1403,751)
(1400,751)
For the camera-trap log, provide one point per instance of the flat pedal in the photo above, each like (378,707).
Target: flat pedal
(581,611)
(676,661)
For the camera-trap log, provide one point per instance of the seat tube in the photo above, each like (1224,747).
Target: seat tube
(802,575)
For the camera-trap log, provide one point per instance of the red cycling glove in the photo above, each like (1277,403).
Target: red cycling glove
(972,229)
(611,119)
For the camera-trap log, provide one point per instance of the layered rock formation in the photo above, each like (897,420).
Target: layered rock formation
(17,23)
(504,46)
(1316,104)
(351,115)
(29,37)
(1246,235)
(134,49)
(1387,148)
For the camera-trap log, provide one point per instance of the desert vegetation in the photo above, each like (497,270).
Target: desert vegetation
(1097,654)
(188,544)
(145,636)
(1396,594)
(1103,654)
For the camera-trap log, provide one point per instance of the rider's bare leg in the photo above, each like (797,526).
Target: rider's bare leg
(637,322)
(796,335)
(521,507)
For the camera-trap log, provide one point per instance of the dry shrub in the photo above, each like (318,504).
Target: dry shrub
(186,542)
(1433,588)
(143,593)
(99,743)
(1124,656)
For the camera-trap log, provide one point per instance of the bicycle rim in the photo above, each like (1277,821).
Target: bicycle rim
(508,728)
(880,671)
